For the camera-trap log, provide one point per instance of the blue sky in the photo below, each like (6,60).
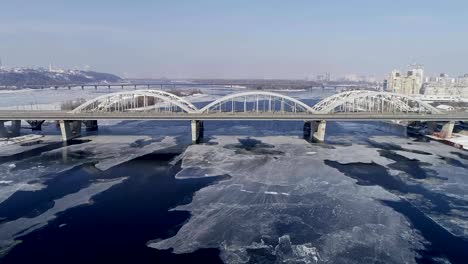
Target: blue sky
(236,38)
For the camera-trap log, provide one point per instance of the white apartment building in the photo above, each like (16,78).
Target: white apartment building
(409,84)
(445,86)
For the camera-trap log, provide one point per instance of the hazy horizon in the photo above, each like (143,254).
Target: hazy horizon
(236,39)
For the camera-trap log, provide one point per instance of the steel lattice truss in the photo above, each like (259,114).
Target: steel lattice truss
(143,100)
(257,102)
(373,102)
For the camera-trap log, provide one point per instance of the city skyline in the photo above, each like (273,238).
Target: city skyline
(209,39)
(322,76)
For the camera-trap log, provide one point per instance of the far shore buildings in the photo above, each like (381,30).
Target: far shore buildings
(409,83)
(413,82)
(446,86)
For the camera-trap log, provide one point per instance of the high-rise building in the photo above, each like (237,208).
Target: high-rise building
(418,72)
(324,77)
(410,84)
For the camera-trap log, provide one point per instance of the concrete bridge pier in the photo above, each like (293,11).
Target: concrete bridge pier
(12,131)
(197,131)
(91,125)
(431,127)
(314,131)
(70,129)
(15,128)
(308,130)
(36,125)
(447,130)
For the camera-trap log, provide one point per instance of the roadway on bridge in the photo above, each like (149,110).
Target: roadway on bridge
(63,115)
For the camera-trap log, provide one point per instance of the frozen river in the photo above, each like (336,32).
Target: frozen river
(252,192)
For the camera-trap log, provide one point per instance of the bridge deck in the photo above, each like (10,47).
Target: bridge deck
(62,115)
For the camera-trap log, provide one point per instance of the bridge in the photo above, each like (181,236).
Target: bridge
(173,84)
(252,105)
(132,85)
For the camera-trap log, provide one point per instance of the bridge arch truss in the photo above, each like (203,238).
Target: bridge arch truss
(257,102)
(139,100)
(373,102)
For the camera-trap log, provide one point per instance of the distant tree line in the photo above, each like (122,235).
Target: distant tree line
(46,78)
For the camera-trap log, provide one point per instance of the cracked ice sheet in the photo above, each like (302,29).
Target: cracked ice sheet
(105,151)
(451,180)
(441,159)
(110,155)
(321,203)
(9,231)
(12,149)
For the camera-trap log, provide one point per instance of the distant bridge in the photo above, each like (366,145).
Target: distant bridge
(133,85)
(161,85)
(251,105)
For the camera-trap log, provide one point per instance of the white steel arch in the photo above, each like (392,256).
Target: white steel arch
(351,101)
(372,101)
(107,101)
(270,97)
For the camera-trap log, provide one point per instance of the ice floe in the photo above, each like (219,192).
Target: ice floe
(252,206)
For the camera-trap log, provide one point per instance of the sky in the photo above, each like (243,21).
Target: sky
(236,38)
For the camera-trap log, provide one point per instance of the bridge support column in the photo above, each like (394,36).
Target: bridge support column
(197,131)
(70,129)
(447,130)
(91,125)
(431,127)
(315,130)
(36,125)
(12,131)
(3,130)
(15,128)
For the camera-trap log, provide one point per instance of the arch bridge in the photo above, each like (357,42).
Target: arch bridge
(256,102)
(251,105)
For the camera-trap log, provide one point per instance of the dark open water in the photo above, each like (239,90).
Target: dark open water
(117,225)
